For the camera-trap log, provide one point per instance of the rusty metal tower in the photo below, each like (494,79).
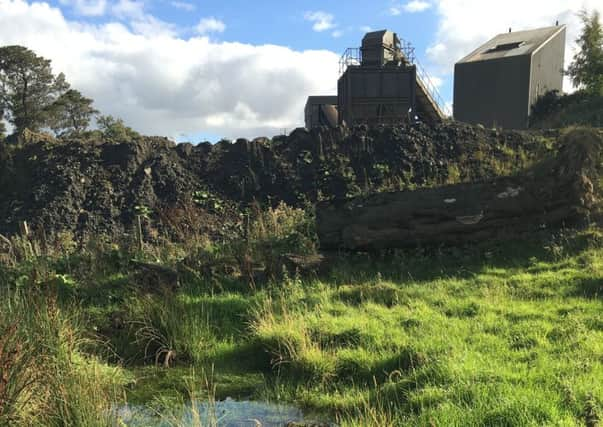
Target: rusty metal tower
(382,82)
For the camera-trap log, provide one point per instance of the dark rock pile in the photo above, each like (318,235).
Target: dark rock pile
(92,187)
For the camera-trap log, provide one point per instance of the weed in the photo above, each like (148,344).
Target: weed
(170,330)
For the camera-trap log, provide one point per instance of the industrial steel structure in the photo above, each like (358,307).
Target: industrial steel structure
(321,111)
(379,83)
(376,86)
(497,84)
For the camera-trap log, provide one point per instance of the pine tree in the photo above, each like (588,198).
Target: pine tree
(71,113)
(27,87)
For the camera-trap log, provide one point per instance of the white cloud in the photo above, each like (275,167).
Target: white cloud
(128,9)
(151,26)
(435,81)
(415,6)
(337,33)
(466,24)
(87,7)
(163,84)
(210,25)
(132,12)
(322,21)
(366,29)
(189,7)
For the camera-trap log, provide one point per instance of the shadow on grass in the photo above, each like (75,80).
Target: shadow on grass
(425,264)
(229,313)
(587,287)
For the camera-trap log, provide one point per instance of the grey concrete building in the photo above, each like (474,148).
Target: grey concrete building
(497,84)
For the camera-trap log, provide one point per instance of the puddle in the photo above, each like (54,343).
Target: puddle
(224,413)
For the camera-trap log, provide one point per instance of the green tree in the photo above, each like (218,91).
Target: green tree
(27,87)
(586,70)
(71,113)
(115,130)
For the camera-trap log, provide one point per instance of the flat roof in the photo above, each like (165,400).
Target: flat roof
(322,99)
(515,43)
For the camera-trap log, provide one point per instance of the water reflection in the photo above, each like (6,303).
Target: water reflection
(224,413)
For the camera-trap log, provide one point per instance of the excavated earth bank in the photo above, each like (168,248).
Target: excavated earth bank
(91,187)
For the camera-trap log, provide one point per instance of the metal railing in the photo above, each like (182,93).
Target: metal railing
(408,51)
(431,88)
(352,56)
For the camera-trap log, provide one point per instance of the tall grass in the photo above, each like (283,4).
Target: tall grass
(46,378)
(171,330)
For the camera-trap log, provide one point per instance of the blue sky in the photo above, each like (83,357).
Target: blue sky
(209,69)
(285,23)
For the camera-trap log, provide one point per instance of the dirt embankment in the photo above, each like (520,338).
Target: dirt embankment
(96,187)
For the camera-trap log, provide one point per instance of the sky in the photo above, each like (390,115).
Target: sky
(209,69)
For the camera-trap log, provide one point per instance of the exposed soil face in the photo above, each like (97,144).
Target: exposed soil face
(559,190)
(92,187)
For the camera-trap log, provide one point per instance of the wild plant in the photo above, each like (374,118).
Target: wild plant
(275,232)
(46,378)
(17,379)
(170,330)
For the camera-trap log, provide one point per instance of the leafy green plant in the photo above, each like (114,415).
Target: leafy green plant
(143,211)
(207,200)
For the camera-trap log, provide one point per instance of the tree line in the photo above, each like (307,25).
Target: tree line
(33,98)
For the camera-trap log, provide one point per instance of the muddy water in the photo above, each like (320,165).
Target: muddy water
(225,413)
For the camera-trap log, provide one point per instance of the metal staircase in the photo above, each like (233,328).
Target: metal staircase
(430,104)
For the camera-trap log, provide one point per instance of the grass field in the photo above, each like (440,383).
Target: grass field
(500,334)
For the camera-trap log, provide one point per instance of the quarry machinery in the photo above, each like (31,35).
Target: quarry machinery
(380,83)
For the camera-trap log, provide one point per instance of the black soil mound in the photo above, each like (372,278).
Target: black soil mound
(96,187)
